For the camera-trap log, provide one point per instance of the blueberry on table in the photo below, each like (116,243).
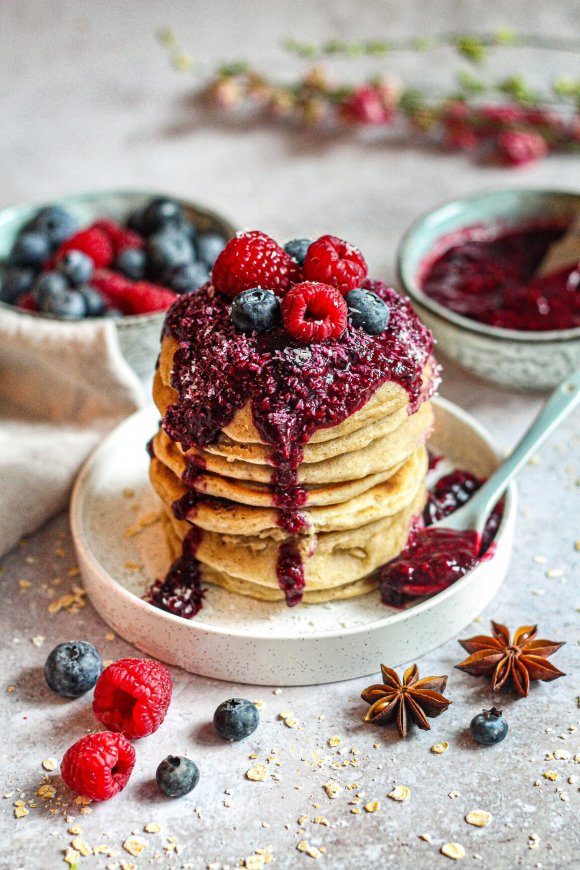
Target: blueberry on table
(161,212)
(72,668)
(169,249)
(14,282)
(255,309)
(189,277)
(297,249)
(209,247)
(55,223)
(66,305)
(94,303)
(30,249)
(489,727)
(176,776)
(76,267)
(48,284)
(368,310)
(236,719)
(132,262)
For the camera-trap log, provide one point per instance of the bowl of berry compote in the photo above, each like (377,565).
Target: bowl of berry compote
(123,256)
(496,277)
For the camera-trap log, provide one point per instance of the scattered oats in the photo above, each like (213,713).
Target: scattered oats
(540,560)
(74,571)
(309,850)
(277,692)
(573,779)
(564,797)
(400,793)
(552,775)
(20,810)
(538,591)
(260,705)
(478,818)
(110,635)
(454,794)
(80,845)
(86,811)
(321,820)
(38,640)
(104,849)
(302,819)
(334,741)
(10,689)
(577,758)
(133,566)
(572,728)
(561,754)
(71,857)
(258,773)
(126,865)
(372,806)
(24,584)
(135,845)
(49,764)
(554,572)
(577,546)
(152,828)
(46,792)
(426,837)
(75,830)
(440,748)
(377,745)
(355,811)
(533,460)
(455,851)
(227,804)
(332,789)
(536,783)
(533,841)
(254,862)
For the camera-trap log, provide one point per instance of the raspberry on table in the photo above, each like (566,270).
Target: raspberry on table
(132,696)
(98,766)
(333,261)
(314,312)
(251,260)
(120,237)
(93,242)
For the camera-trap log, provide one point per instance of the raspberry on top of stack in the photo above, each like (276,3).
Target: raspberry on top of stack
(290,459)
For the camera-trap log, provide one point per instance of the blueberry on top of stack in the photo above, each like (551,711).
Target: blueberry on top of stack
(108,268)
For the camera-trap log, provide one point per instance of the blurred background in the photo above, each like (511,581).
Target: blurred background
(90,100)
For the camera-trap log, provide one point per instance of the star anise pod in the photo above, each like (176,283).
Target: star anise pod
(414,698)
(521,660)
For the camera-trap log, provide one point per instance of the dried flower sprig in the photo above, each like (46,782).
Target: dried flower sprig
(519,127)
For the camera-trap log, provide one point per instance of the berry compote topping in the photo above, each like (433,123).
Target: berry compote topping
(180,591)
(491,279)
(293,389)
(434,558)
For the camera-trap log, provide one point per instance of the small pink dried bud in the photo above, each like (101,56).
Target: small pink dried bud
(519,148)
(366,106)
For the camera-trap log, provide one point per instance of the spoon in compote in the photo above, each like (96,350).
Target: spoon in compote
(474,514)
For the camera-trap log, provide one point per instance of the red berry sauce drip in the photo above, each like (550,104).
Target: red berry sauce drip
(491,279)
(180,591)
(293,390)
(434,558)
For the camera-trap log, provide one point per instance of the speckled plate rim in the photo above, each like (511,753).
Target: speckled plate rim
(503,539)
(409,285)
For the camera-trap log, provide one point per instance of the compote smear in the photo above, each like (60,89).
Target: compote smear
(293,390)
(491,280)
(434,558)
(180,591)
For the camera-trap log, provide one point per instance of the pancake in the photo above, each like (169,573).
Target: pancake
(229,517)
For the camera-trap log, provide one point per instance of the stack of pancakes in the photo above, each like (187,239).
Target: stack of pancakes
(364,481)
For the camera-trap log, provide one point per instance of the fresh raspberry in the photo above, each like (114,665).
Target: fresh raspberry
(98,766)
(132,297)
(132,696)
(93,242)
(332,261)
(27,302)
(120,237)
(254,260)
(313,312)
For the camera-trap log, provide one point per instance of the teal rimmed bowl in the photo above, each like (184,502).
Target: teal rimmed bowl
(138,335)
(508,357)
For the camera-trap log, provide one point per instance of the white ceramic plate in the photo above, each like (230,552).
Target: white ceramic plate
(236,638)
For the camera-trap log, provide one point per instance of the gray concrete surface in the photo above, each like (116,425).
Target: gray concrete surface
(88,101)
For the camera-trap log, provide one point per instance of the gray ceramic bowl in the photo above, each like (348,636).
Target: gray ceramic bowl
(512,358)
(138,334)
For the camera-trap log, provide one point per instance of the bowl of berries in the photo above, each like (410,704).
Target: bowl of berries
(124,255)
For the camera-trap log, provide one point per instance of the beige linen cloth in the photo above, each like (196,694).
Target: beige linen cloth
(63,386)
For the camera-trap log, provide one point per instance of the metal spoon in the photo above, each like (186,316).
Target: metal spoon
(474,514)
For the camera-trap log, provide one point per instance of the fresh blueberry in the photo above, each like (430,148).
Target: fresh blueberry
(177,776)
(76,267)
(297,249)
(161,212)
(67,305)
(167,250)
(209,247)
(72,668)
(94,303)
(368,310)
(489,727)
(48,284)
(188,277)
(255,309)
(30,249)
(53,222)
(236,719)
(132,262)
(15,282)
(136,221)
